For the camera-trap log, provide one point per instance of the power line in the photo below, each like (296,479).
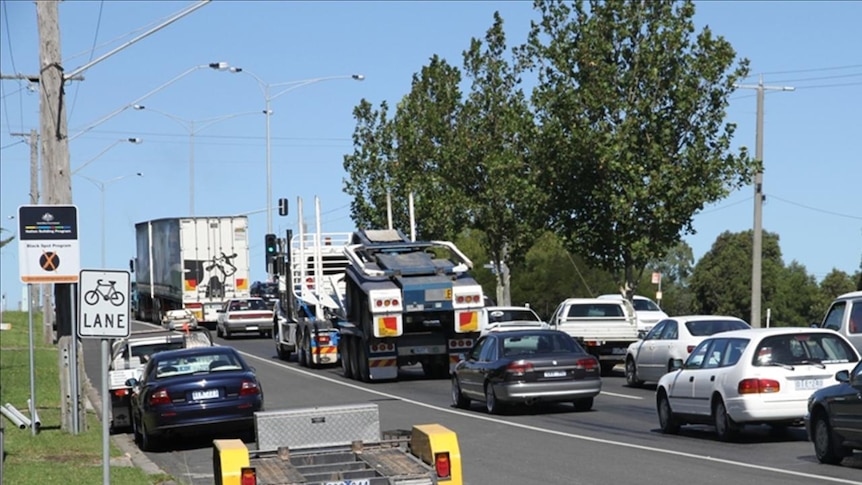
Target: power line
(838,85)
(92,53)
(819,78)
(12,62)
(727,206)
(815,69)
(824,211)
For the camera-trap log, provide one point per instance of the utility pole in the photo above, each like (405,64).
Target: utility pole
(757,243)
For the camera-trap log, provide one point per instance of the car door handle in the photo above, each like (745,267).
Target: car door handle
(691,379)
(711,378)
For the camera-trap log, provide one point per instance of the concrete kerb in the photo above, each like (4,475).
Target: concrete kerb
(132,455)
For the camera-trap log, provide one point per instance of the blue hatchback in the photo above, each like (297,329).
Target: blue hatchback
(192,390)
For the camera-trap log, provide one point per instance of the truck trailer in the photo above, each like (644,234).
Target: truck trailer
(195,263)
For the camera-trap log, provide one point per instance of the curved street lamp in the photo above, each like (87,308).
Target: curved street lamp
(193,127)
(102,185)
(268,97)
(136,141)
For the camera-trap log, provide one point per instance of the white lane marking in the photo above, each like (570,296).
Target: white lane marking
(553,432)
(624,396)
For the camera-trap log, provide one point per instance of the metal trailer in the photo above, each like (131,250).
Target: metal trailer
(128,357)
(338,445)
(311,294)
(196,263)
(407,302)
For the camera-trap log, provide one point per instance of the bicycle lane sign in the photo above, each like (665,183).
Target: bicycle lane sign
(103,304)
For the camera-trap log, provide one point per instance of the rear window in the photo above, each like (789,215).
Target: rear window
(197,364)
(596,310)
(705,328)
(803,348)
(145,351)
(539,344)
(242,305)
(642,305)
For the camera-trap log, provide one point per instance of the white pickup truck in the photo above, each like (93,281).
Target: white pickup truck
(845,317)
(604,327)
(128,357)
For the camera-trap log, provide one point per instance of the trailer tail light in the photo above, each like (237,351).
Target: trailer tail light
(519,367)
(322,339)
(442,465)
(467,296)
(249,388)
(758,386)
(247,476)
(121,392)
(385,301)
(160,397)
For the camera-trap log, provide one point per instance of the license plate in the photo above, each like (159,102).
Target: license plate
(425,350)
(808,384)
(618,351)
(208,394)
(555,373)
(252,327)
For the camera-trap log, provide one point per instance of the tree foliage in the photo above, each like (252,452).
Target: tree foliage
(632,141)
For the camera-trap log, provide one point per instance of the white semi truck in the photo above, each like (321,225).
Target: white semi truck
(196,263)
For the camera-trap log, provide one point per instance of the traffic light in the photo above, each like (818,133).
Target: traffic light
(270,249)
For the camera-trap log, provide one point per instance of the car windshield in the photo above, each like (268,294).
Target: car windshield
(705,328)
(197,364)
(241,305)
(803,348)
(538,344)
(513,316)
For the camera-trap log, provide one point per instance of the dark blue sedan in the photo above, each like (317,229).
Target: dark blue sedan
(193,390)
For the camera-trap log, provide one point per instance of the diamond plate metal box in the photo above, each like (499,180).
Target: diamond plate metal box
(317,426)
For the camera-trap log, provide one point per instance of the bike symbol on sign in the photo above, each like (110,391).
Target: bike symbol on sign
(108,294)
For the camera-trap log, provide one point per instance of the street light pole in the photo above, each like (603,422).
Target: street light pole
(268,97)
(189,125)
(102,185)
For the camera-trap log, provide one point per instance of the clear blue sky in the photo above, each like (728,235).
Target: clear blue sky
(812,137)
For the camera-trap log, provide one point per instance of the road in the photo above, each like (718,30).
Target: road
(617,442)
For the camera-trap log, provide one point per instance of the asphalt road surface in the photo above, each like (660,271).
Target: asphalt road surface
(618,442)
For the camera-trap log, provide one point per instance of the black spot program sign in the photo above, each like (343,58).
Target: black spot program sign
(48,247)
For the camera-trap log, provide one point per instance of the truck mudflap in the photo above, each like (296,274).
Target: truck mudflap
(427,454)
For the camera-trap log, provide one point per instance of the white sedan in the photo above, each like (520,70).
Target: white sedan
(755,376)
(245,315)
(669,342)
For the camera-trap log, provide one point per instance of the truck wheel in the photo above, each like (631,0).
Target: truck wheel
(282,353)
(309,354)
(362,362)
(301,354)
(344,355)
(354,357)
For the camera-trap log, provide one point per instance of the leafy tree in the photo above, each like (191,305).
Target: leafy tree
(797,298)
(721,280)
(493,172)
(632,141)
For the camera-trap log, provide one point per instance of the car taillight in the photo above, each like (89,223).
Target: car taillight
(519,367)
(587,363)
(442,465)
(249,388)
(758,386)
(160,397)
(121,392)
(247,476)
(689,348)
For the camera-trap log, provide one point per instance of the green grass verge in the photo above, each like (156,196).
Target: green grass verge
(53,455)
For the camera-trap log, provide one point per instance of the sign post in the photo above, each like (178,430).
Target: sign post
(104,314)
(49,252)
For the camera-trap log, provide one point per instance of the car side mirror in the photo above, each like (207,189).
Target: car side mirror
(642,334)
(131,382)
(842,376)
(676,364)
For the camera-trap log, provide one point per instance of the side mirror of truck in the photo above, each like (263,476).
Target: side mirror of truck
(131,382)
